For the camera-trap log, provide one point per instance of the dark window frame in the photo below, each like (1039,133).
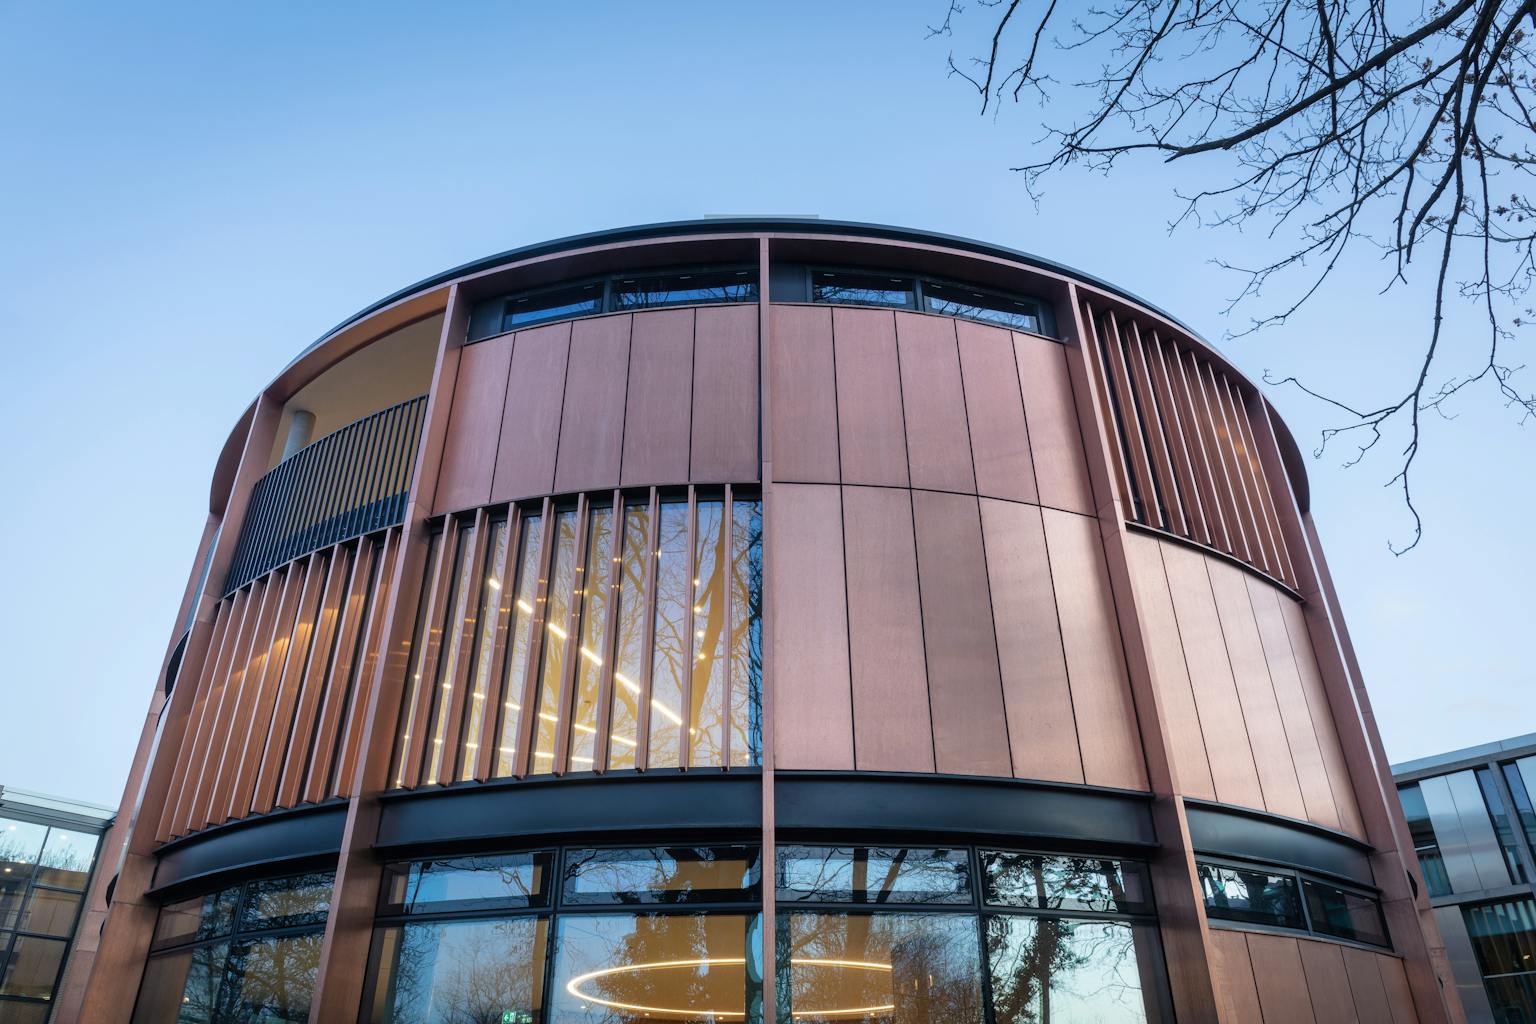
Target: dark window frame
(1302,878)
(484,326)
(11,936)
(556,908)
(1044,312)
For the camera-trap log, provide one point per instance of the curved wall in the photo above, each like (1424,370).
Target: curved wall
(964,585)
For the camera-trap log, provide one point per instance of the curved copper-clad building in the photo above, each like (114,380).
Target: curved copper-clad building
(760,620)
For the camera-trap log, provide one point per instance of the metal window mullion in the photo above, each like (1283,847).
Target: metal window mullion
(1093,351)
(501,640)
(357,475)
(1262,485)
(565,712)
(530,714)
(440,601)
(690,643)
(1242,514)
(457,699)
(1183,463)
(648,636)
(386,466)
(727,576)
(391,455)
(1155,432)
(608,652)
(1133,426)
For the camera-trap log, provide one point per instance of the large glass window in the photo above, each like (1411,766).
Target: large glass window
(1521,777)
(238,956)
(1425,845)
(1504,938)
(855,288)
(976,304)
(1281,898)
(878,935)
(1064,939)
(1502,827)
(552,304)
(43,874)
(1253,896)
(630,629)
(685,288)
(469,939)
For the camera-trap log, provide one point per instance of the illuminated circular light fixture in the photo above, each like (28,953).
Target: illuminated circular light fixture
(574,986)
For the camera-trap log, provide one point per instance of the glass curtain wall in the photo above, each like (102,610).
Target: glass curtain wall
(612,631)
(43,875)
(241,955)
(1504,938)
(868,934)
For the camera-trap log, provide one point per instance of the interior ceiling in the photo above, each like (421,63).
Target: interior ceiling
(396,367)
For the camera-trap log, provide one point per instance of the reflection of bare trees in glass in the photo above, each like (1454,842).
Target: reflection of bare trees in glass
(469,973)
(746,597)
(897,968)
(874,875)
(271,980)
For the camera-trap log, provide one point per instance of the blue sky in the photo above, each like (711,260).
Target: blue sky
(191,194)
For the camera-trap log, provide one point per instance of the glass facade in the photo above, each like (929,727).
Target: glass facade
(1425,845)
(631,633)
(1280,898)
(873,934)
(240,955)
(44,871)
(1503,936)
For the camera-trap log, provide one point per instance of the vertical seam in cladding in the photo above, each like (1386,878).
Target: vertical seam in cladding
(917,562)
(981,535)
(1237,690)
(618,477)
(842,533)
(565,382)
(693,376)
(1029,444)
(1189,681)
(1290,750)
(1338,807)
(1061,645)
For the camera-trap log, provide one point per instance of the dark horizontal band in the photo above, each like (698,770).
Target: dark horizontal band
(596,805)
(1223,831)
(884,803)
(264,844)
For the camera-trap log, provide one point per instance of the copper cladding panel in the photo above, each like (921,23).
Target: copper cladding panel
(1037,697)
(592,422)
(1323,724)
(885,633)
(725,395)
(656,406)
(1055,440)
(870,434)
(1306,754)
(1181,717)
(933,400)
(1394,979)
(1233,772)
(1090,634)
(530,425)
(813,710)
(1280,979)
(970,735)
(995,413)
(1327,982)
(1233,970)
(803,414)
(1365,986)
(1250,670)
(474,425)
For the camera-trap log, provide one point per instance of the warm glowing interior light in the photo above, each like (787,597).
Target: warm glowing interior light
(493,582)
(624,740)
(562,634)
(525,606)
(574,987)
(630,683)
(591,657)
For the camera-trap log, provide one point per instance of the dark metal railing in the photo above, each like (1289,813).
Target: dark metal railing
(350,482)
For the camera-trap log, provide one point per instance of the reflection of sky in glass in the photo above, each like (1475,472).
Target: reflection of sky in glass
(469,971)
(661,875)
(1064,972)
(873,875)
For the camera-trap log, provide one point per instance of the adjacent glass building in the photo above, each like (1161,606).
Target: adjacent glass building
(1474,830)
(762,621)
(48,850)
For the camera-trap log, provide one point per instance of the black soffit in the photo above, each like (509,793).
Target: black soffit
(723,803)
(264,845)
(1224,831)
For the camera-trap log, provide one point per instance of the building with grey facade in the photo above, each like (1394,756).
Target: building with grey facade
(1474,829)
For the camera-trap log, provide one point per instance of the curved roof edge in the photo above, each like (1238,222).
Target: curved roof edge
(733,225)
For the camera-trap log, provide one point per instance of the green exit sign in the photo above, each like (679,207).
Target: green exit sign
(513,1017)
